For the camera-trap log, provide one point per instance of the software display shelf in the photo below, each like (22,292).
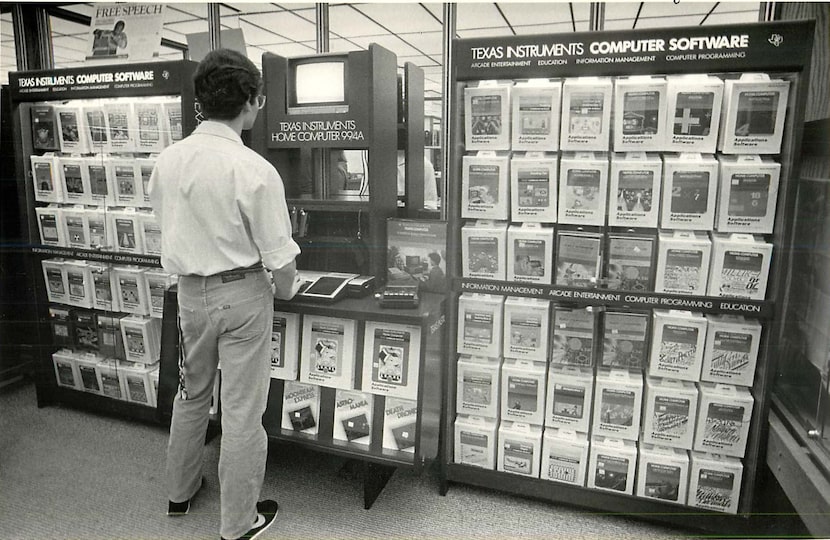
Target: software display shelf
(490,122)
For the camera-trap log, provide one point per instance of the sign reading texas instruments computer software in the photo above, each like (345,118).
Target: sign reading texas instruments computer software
(648,51)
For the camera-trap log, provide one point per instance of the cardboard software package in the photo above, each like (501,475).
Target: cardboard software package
(690,187)
(612,464)
(75,222)
(583,188)
(677,344)
(520,449)
(535,120)
(586,113)
(101,233)
(694,105)
(110,339)
(353,416)
(131,288)
(625,339)
(145,166)
(46,178)
(157,281)
(484,250)
(573,336)
(723,419)
(740,266)
(391,359)
(105,294)
(578,257)
(300,407)
(618,398)
(630,260)
(60,321)
(172,121)
(748,194)
(569,398)
(50,225)
(663,474)
(66,370)
(530,253)
(523,391)
(715,482)
(75,180)
(111,379)
(137,383)
(97,130)
(88,371)
(101,180)
(487,116)
(475,441)
(485,186)
(150,136)
(400,425)
(54,274)
(142,338)
(639,113)
(71,129)
(683,262)
(564,456)
(480,324)
(534,187)
(754,108)
(635,190)
(478,385)
(526,328)
(79,283)
(122,125)
(328,351)
(126,230)
(669,412)
(127,182)
(731,352)
(285,346)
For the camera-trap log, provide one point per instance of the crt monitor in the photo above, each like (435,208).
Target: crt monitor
(317,84)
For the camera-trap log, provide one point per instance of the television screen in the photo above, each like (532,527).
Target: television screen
(319,82)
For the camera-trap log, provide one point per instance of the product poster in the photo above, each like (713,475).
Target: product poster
(417,253)
(125,32)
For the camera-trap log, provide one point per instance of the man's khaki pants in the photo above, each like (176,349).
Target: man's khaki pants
(224,317)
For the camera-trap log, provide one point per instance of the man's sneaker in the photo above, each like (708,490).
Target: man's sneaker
(182,508)
(266,515)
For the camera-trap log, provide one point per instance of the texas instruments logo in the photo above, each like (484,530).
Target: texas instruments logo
(776,39)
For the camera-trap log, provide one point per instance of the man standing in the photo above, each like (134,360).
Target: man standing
(224,226)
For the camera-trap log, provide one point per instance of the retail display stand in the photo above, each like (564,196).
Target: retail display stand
(84,137)
(329,128)
(641,79)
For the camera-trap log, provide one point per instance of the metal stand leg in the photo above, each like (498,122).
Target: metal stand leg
(375,478)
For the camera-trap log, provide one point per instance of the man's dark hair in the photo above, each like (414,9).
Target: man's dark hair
(435,258)
(224,81)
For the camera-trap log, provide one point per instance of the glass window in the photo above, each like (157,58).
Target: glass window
(8,57)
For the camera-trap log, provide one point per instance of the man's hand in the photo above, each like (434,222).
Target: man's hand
(285,281)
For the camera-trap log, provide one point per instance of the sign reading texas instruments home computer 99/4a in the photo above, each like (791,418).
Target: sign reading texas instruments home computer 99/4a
(647,51)
(120,32)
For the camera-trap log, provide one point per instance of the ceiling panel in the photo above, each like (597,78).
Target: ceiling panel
(286,24)
(348,22)
(478,15)
(67,28)
(69,42)
(402,17)
(485,32)
(430,43)
(257,35)
(520,14)
(83,9)
(437,9)
(192,27)
(558,28)
(420,60)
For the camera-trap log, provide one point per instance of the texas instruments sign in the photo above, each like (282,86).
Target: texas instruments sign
(675,50)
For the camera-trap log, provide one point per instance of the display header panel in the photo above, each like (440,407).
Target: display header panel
(114,80)
(767,46)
